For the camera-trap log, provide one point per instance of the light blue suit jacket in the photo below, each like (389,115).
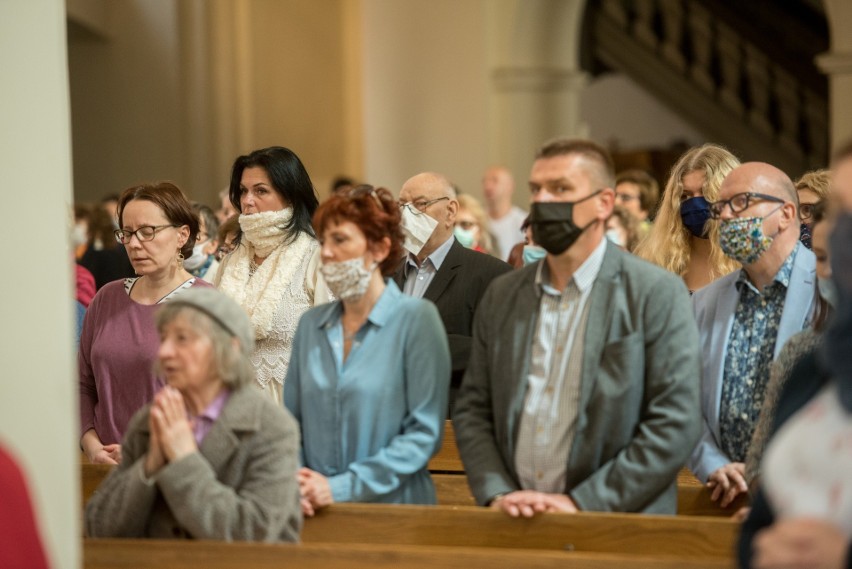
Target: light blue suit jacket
(714,307)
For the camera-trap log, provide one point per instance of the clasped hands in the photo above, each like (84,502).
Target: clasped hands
(171,432)
(528,503)
(315,491)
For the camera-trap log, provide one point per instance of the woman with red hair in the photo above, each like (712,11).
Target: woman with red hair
(369,375)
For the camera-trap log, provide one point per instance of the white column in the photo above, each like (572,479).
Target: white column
(38,387)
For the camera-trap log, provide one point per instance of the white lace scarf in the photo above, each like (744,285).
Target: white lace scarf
(261,293)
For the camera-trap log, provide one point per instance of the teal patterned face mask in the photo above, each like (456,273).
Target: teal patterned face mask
(743,240)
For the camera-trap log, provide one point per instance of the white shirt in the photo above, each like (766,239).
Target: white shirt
(807,468)
(549,417)
(507,230)
(418,278)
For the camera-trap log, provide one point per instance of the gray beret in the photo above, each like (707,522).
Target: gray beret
(222,309)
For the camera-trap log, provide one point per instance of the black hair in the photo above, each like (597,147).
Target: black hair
(289,179)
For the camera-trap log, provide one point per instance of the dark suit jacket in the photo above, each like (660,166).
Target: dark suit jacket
(456,290)
(638,416)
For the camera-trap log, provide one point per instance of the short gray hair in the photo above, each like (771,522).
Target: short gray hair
(230,361)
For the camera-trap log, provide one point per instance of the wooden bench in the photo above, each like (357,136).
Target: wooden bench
(158,554)
(452,490)
(460,526)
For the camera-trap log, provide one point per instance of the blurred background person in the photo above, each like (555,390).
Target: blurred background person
(210,457)
(226,208)
(638,192)
(369,378)
(813,188)
(471,226)
(102,256)
(273,273)
(109,204)
(505,218)
(20,543)
(118,345)
(623,229)
(341,184)
(227,235)
(683,238)
(203,263)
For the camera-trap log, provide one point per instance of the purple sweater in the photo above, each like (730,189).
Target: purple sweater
(118,349)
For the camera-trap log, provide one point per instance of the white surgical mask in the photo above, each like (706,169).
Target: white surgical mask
(80,234)
(347,280)
(615,236)
(197,258)
(417,229)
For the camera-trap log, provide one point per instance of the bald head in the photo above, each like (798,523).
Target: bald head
(497,185)
(434,195)
(762,178)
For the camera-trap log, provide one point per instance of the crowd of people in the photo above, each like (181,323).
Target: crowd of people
(277,355)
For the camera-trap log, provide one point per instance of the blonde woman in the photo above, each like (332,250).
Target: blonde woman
(472,228)
(684,240)
(813,187)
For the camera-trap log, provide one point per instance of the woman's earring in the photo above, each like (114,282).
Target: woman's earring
(179,259)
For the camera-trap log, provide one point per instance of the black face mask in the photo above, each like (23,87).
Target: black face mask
(553,224)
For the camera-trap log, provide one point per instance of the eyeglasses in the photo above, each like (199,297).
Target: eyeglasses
(420,206)
(364,190)
(144,233)
(807,210)
(466,225)
(739,203)
(625,197)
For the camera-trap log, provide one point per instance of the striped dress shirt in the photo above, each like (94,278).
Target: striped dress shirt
(549,417)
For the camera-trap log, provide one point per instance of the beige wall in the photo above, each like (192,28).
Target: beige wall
(176,90)
(425,91)
(38,396)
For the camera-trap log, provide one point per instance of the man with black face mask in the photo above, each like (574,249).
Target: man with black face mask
(581,389)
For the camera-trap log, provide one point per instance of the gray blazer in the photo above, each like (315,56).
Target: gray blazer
(638,416)
(240,486)
(714,307)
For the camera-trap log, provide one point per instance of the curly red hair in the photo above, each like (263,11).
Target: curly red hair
(376,213)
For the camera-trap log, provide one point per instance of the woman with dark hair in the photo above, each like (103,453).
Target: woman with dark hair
(273,273)
(118,345)
(369,377)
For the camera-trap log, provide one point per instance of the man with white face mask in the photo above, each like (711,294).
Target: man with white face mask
(745,318)
(438,268)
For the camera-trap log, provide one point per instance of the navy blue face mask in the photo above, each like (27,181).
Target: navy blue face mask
(695,212)
(805,236)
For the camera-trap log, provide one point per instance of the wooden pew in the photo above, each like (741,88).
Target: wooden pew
(447,460)
(452,490)
(459,526)
(158,554)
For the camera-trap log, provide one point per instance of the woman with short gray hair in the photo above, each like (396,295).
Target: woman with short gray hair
(211,457)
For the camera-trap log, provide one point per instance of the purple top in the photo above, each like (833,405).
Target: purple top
(118,349)
(202,424)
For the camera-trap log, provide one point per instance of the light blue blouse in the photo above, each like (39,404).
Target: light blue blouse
(371,424)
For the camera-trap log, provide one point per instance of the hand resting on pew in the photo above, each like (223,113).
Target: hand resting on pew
(314,490)
(528,503)
(727,483)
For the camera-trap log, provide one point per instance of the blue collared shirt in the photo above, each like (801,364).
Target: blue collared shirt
(418,278)
(751,347)
(372,422)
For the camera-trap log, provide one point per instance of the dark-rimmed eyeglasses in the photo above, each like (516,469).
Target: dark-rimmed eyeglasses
(144,233)
(807,211)
(739,203)
(419,206)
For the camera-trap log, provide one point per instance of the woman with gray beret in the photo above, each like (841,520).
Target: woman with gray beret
(211,457)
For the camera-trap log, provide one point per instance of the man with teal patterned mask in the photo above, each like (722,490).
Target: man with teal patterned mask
(745,318)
